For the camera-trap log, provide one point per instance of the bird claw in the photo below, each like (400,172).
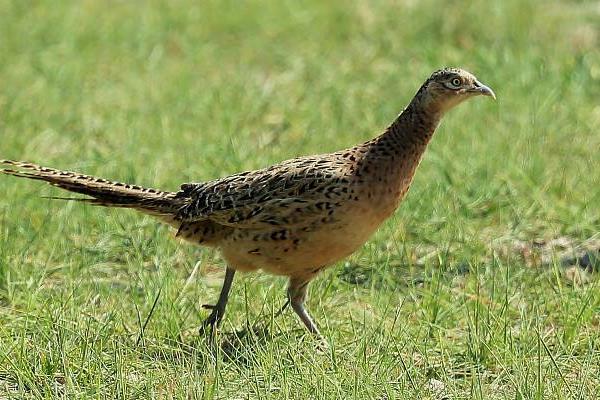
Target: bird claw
(322,346)
(213,320)
(207,324)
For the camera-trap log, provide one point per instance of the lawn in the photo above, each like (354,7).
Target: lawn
(465,293)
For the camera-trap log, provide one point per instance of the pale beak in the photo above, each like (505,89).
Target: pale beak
(481,89)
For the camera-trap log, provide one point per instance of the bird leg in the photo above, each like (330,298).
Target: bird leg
(297,291)
(218,309)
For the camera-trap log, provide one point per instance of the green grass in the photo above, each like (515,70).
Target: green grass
(160,93)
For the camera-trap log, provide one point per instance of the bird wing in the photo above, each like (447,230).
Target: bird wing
(289,194)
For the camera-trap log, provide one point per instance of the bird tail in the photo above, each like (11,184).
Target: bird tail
(102,192)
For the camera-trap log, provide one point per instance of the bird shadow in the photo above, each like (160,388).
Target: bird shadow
(239,346)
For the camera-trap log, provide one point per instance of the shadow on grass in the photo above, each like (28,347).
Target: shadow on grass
(240,346)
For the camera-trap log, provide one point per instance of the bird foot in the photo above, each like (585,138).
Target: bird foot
(322,346)
(213,320)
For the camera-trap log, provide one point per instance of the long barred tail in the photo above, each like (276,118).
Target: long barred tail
(102,192)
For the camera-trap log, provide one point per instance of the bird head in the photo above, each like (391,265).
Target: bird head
(449,87)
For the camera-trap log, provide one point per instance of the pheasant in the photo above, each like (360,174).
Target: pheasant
(297,217)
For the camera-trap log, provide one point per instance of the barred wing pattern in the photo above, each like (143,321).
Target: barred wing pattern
(295,192)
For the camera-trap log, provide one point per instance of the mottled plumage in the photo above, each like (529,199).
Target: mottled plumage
(297,217)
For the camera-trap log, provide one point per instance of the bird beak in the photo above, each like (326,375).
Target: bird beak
(484,90)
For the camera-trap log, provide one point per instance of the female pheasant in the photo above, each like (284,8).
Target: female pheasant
(297,217)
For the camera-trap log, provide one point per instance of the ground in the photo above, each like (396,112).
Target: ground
(466,293)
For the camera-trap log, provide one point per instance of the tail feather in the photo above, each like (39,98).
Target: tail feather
(102,192)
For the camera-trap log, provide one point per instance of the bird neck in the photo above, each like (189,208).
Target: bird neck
(393,157)
(406,137)
(412,129)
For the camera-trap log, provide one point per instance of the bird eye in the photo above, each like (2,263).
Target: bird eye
(456,82)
